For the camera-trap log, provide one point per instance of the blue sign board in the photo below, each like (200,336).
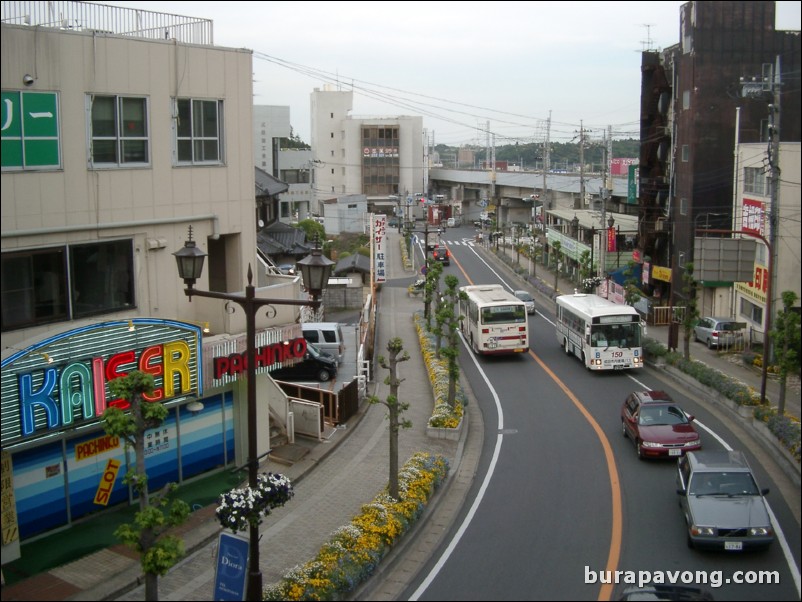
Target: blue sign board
(231,574)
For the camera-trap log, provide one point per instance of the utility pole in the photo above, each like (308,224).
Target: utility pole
(774,210)
(578,203)
(546,164)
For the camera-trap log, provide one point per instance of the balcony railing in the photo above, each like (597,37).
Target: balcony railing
(107,19)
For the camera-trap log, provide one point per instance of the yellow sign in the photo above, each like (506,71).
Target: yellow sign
(93,447)
(107,482)
(661,273)
(9,505)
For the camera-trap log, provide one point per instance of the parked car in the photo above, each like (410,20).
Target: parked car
(393,222)
(723,507)
(716,332)
(442,255)
(527,299)
(657,426)
(316,365)
(326,336)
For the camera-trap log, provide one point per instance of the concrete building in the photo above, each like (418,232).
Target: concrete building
(378,157)
(123,128)
(717,88)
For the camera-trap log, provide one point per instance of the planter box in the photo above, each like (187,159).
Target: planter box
(444,433)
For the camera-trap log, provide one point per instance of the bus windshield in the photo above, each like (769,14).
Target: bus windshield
(615,335)
(498,314)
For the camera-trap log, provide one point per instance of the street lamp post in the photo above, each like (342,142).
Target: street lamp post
(315,270)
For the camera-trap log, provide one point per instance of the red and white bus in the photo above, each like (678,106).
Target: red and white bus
(494,321)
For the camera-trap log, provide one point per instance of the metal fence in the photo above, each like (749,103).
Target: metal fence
(107,19)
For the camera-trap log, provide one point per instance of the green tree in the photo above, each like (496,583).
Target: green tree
(555,255)
(448,319)
(632,292)
(431,290)
(157,552)
(395,408)
(691,314)
(313,230)
(786,338)
(585,269)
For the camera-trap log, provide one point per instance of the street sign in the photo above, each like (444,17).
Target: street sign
(232,567)
(483,203)
(409,200)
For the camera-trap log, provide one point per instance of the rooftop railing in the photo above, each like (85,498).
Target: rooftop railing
(107,19)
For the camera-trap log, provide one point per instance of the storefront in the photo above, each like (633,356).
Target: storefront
(53,397)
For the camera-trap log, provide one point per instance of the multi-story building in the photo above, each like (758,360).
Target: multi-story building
(378,157)
(121,129)
(695,108)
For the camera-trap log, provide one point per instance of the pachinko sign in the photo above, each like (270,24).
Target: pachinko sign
(62,382)
(265,356)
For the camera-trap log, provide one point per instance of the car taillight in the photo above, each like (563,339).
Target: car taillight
(714,333)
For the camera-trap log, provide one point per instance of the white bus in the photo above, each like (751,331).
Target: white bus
(603,334)
(493,320)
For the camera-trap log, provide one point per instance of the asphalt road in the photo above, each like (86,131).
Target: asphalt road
(560,494)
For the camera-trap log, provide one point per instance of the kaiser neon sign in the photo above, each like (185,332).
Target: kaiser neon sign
(64,394)
(80,387)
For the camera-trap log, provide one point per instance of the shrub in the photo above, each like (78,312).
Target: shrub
(788,434)
(443,415)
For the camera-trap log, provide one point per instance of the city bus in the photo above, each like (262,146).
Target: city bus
(602,334)
(493,320)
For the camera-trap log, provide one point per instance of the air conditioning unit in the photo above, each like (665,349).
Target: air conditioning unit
(660,225)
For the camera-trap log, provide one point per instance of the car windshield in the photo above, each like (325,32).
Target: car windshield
(723,483)
(661,415)
(524,296)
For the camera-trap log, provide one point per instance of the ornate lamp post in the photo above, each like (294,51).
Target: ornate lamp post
(315,270)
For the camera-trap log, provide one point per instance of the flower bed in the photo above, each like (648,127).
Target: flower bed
(354,551)
(443,415)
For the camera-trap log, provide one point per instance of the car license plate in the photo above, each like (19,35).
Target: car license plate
(675,452)
(733,545)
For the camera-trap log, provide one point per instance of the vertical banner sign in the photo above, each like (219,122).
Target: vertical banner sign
(379,233)
(231,574)
(632,184)
(9,505)
(611,247)
(106,486)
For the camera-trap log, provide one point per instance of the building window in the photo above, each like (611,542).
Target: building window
(332,134)
(751,312)
(118,131)
(683,206)
(686,100)
(30,133)
(40,286)
(199,131)
(755,181)
(686,153)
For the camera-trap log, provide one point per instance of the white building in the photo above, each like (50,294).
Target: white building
(375,156)
(752,212)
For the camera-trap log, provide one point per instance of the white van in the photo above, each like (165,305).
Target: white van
(451,222)
(326,336)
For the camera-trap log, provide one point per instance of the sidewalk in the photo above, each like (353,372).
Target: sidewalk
(350,469)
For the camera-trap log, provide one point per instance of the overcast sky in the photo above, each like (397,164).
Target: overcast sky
(459,65)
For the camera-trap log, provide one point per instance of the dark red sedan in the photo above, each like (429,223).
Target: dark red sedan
(657,426)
